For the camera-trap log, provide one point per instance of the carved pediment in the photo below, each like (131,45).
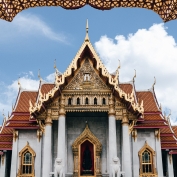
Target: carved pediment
(87,135)
(86,79)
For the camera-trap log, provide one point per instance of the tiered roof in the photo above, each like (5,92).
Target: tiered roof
(143,104)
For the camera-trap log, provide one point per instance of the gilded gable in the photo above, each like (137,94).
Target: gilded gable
(86,79)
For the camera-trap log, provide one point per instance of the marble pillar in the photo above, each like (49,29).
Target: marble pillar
(127,168)
(170,165)
(13,172)
(61,133)
(158,157)
(112,134)
(46,168)
(3,165)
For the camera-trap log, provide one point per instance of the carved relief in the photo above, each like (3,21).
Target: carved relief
(86,78)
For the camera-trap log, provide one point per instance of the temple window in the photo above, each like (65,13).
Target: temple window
(104,101)
(78,101)
(69,101)
(95,101)
(86,77)
(86,101)
(27,163)
(26,167)
(146,155)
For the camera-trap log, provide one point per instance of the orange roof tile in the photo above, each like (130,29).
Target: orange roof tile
(167,138)
(5,146)
(127,88)
(165,130)
(152,117)
(23,101)
(21,125)
(175,130)
(170,145)
(45,88)
(21,117)
(6,138)
(148,100)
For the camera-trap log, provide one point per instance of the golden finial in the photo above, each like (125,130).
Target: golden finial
(87,28)
(160,107)
(117,70)
(154,83)
(55,64)
(169,113)
(134,76)
(39,76)
(19,83)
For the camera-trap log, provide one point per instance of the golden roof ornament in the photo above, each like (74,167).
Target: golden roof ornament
(19,84)
(39,76)
(154,83)
(134,76)
(117,71)
(87,28)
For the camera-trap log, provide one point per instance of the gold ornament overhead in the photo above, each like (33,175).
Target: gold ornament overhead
(167,9)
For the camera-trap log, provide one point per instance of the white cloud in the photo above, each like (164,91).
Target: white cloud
(27,25)
(152,52)
(50,78)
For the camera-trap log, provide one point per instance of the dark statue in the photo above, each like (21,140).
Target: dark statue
(87,159)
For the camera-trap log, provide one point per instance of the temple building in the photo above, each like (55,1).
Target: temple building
(87,123)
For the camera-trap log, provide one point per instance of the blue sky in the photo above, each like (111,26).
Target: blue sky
(138,37)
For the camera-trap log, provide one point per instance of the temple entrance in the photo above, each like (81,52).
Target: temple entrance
(87,159)
(87,151)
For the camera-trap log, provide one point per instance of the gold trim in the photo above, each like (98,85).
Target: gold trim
(157,134)
(39,135)
(15,135)
(152,153)
(21,153)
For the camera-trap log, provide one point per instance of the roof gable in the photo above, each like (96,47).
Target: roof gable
(86,78)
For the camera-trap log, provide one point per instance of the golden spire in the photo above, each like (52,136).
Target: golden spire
(39,76)
(117,71)
(154,83)
(87,28)
(134,76)
(19,83)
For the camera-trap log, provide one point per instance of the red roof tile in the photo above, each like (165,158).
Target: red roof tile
(23,101)
(127,88)
(148,100)
(45,88)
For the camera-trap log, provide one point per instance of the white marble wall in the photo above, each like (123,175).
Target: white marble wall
(149,136)
(31,137)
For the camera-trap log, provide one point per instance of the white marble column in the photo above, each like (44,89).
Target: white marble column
(13,172)
(126,147)
(170,165)
(112,134)
(61,132)
(158,157)
(3,165)
(46,168)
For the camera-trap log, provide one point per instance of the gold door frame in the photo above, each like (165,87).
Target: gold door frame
(87,135)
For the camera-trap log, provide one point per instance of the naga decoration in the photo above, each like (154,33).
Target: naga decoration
(167,9)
